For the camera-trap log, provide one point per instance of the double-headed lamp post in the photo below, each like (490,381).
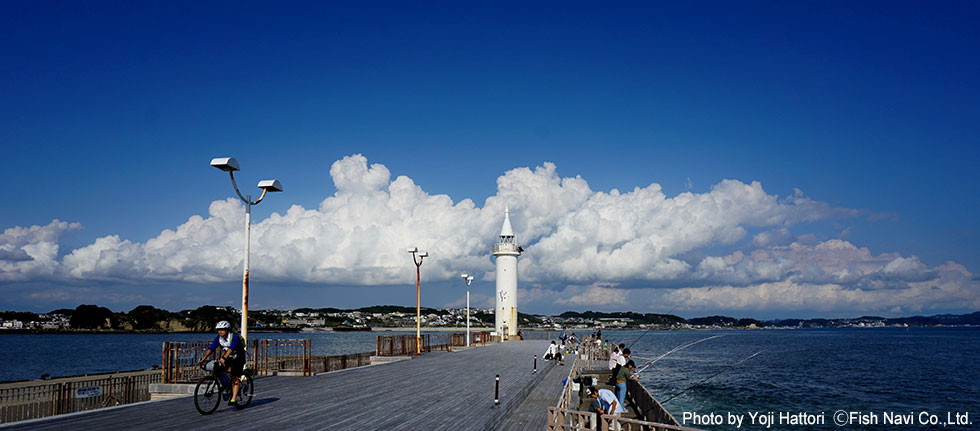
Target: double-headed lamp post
(468,279)
(230,165)
(418,286)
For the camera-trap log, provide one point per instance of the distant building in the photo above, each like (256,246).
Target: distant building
(13,324)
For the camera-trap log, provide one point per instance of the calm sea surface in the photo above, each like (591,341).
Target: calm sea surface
(818,371)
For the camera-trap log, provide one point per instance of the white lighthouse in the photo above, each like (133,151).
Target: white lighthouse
(506,252)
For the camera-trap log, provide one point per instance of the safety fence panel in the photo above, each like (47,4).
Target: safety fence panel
(618,423)
(180,359)
(265,356)
(480,337)
(402,345)
(323,364)
(649,408)
(457,339)
(566,420)
(566,393)
(37,399)
(282,355)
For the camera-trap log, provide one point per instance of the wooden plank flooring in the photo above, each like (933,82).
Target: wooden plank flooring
(532,414)
(451,391)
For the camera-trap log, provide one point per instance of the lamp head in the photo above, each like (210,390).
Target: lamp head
(470,278)
(270,185)
(227,164)
(413,249)
(423,254)
(464,275)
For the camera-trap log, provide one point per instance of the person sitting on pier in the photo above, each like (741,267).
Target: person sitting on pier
(232,354)
(625,373)
(554,353)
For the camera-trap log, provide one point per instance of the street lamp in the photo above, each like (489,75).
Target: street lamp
(468,279)
(230,165)
(418,285)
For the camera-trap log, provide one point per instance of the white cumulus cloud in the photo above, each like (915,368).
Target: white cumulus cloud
(572,234)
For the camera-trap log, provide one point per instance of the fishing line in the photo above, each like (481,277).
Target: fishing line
(651,327)
(711,376)
(648,364)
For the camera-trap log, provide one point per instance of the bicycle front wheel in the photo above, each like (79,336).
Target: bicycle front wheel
(245,391)
(207,395)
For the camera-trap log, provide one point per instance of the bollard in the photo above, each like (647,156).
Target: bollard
(535,365)
(496,392)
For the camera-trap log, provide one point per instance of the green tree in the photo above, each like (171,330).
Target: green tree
(147,316)
(92,317)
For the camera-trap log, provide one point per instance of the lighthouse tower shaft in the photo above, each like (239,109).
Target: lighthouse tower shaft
(506,252)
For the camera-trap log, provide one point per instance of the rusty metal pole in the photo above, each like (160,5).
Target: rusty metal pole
(248,230)
(418,306)
(230,165)
(418,288)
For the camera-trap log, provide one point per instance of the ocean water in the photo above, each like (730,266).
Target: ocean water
(27,356)
(864,373)
(816,371)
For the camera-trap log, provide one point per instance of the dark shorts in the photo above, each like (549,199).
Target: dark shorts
(235,366)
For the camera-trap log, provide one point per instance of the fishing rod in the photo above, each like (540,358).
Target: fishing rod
(684,346)
(712,376)
(650,328)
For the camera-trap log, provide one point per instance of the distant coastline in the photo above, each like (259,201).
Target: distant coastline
(94,319)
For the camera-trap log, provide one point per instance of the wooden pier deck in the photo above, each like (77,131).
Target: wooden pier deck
(435,391)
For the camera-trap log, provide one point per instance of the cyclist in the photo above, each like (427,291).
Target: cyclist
(232,355)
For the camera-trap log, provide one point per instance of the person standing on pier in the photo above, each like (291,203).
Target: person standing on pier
(232,355)
(625,373)
(614,358)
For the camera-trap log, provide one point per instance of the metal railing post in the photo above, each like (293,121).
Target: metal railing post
(496,392)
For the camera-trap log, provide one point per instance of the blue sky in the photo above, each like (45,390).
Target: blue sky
(111,111)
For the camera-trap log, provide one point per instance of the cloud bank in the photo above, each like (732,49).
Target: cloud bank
(582,246)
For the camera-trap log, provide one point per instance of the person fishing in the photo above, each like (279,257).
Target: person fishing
(625,373)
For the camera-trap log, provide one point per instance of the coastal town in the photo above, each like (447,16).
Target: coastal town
(150,319)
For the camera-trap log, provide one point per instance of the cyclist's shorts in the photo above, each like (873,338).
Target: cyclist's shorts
(235,366)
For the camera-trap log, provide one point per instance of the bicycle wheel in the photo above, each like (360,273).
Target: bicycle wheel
(245,391)
(207,395)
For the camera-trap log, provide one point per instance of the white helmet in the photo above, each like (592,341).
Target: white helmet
(223,325)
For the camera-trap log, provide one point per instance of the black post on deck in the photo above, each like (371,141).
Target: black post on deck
(535,365)
(496,392)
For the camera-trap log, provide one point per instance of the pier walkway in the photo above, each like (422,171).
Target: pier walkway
(434,391)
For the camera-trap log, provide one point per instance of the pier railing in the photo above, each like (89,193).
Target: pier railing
(566,394)
(265,356)
(480,337)
(615,422)
(323,364)
(652,416)
(37,399)
(400,345)
(560,419)
(649,408)
(404,345)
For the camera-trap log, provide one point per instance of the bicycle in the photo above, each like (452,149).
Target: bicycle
(217,387)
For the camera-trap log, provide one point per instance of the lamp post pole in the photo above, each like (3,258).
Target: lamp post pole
(468,279)
(248,233)
(421,255)
(230,165)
